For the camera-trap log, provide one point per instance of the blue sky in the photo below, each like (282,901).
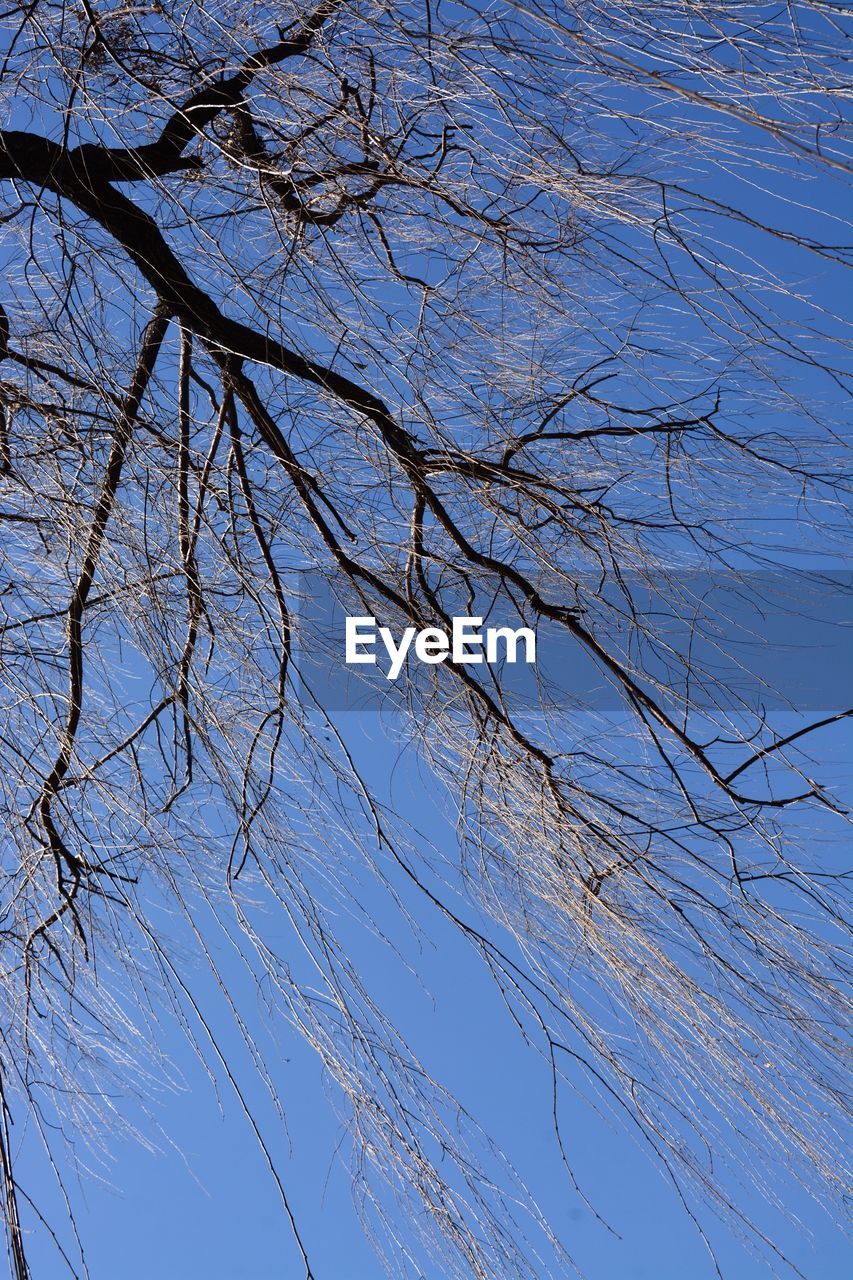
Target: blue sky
(201,1204)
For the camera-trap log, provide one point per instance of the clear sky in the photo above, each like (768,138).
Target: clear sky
(204,1206)
(195,1200)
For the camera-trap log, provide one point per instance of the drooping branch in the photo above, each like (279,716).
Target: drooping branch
(142,239)
(386,184)
(65,860)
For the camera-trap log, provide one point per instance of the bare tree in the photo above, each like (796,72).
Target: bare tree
(504,309)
